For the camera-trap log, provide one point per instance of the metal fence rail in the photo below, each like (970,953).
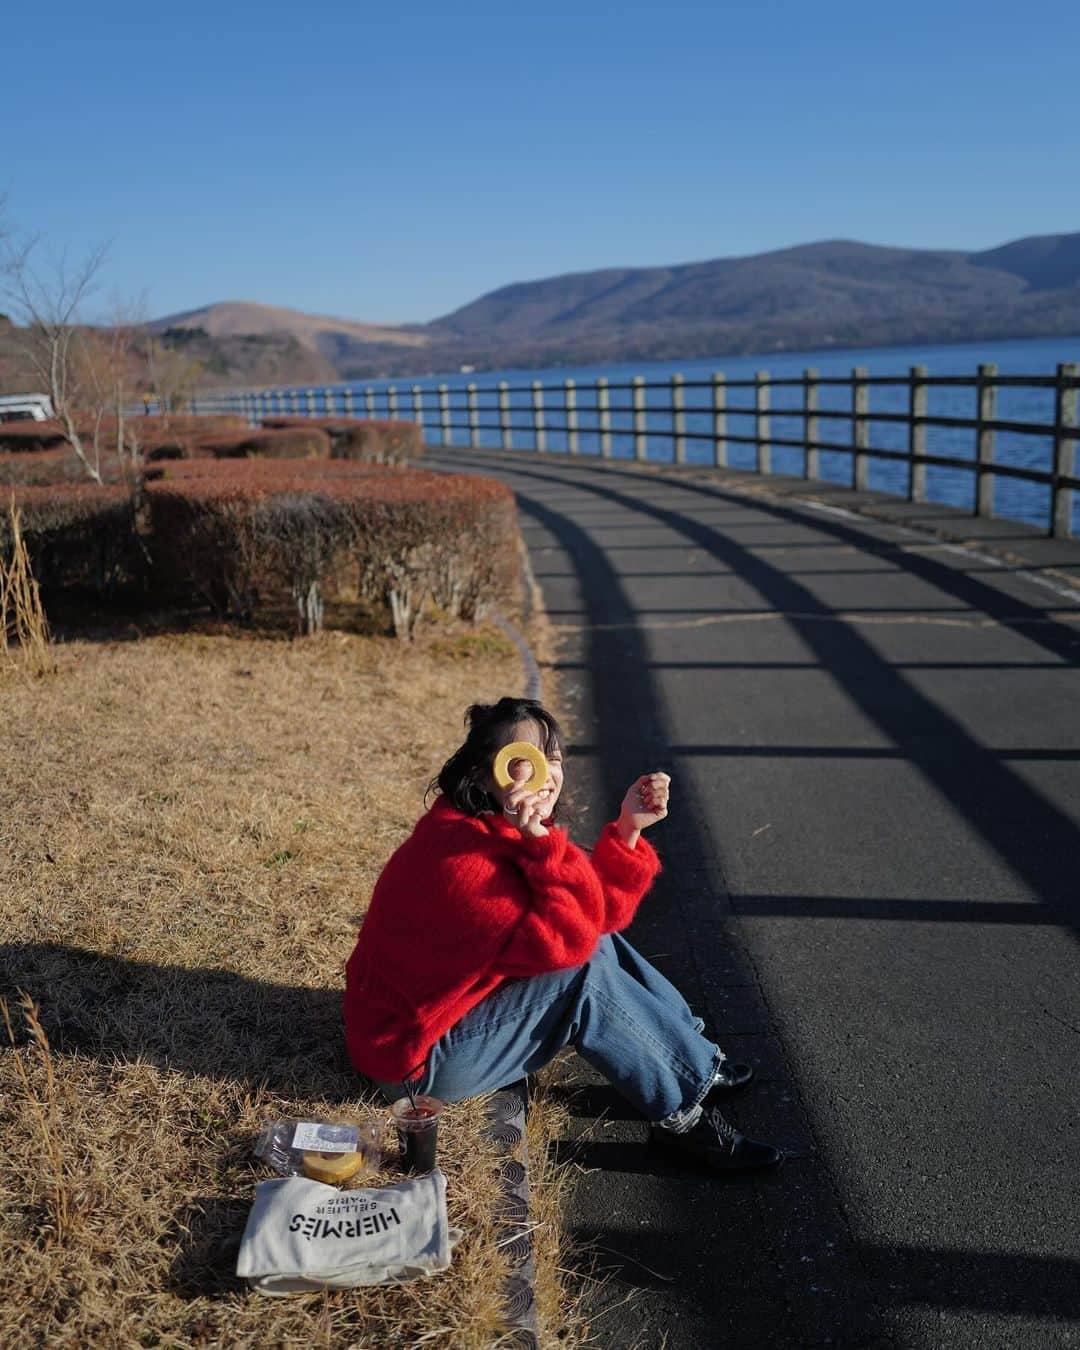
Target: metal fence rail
(628,418)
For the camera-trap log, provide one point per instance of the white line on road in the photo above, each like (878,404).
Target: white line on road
(1062,589)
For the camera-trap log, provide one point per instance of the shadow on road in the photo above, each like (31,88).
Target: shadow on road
(1017,822)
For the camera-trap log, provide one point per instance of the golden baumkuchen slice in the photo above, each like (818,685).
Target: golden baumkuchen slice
(520,750)
(332,1167)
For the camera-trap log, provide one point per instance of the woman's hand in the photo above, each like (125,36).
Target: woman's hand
(643,805)
(520,805)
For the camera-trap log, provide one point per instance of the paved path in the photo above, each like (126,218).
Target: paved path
(871,889)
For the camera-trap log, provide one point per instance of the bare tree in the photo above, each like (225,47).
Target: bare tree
(111,364)
(47,307)
(171,373)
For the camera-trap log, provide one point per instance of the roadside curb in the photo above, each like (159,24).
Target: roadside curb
(505,1111)
(529,667)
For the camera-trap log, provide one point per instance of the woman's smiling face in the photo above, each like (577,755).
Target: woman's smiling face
(520,769)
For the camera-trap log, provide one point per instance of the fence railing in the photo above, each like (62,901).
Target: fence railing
(816,417)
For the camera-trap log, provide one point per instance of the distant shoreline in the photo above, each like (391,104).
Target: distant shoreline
(805,357)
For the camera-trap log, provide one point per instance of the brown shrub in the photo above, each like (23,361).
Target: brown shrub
(77,535)
(310,471)
(28,436)
(285,421)
(148,432)
(387,542)
(276,443)
(42,468)
(383,442)
(167,450)
(291,443)
(375,440)
(249,535)
(180,425)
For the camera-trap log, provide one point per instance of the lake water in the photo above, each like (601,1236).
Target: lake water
(1016,499)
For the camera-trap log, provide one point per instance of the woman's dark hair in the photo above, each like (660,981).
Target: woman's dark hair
(462,779)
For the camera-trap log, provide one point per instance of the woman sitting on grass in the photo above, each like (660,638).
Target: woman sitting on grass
(492,942)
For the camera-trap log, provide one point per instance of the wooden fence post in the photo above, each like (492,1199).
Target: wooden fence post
(678,417)
(295,399)
(392,403)
(811,425)
(418,407)
(539,433)
(603,408)
(1065,420)
(985,410)
(860,429)
(348,401)
(444,414)
(917,433)
(505,424)
(328,402)
(761,422)
(719,403)
(311,402)
(369,402)
(640,437)
(474,417)
(570,409)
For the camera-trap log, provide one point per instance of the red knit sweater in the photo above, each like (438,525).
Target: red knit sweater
(465,903)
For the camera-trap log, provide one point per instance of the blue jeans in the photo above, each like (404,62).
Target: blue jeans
(620,1014)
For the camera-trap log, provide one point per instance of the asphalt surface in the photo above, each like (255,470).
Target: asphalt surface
(872,872)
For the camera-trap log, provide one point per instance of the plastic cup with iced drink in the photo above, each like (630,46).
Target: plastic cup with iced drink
(417,1123)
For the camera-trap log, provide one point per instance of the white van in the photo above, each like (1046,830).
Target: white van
(26,408)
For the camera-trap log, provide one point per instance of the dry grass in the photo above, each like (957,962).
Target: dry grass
(189,830)
(22,618)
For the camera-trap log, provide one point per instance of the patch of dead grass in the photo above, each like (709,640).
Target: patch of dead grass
(190,827)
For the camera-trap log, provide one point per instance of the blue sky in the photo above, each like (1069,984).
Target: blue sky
(350,160)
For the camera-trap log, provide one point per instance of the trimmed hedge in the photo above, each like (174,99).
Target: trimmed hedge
(41,469)
(277,443)
(174,429)
(27,436)
(376,440)
(249,535)
(389,542)
(38,453)
(267,470)
(77,536)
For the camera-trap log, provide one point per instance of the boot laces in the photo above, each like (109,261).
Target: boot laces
(722,1127)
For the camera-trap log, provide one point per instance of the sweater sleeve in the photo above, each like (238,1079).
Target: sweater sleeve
(566,910)
(625,875)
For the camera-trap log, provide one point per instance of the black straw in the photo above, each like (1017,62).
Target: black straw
(409,1093)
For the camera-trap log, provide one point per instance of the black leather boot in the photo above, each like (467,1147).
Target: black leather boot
(715,1144)
(730,1074)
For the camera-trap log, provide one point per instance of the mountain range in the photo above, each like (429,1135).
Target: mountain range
(835,293)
